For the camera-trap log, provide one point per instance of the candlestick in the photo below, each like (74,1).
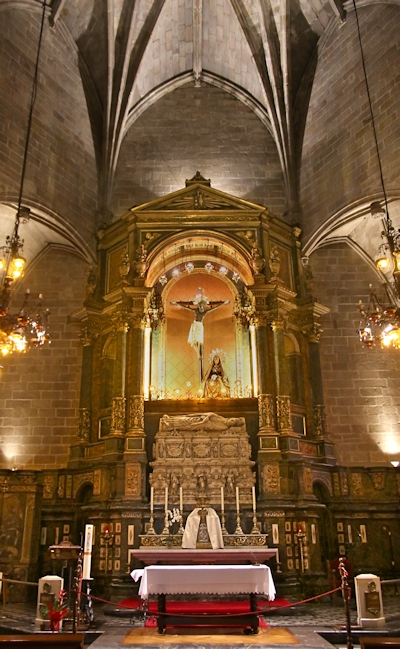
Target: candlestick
(151,500)
(237,499)
(253,491)
(181,499)
(222,500)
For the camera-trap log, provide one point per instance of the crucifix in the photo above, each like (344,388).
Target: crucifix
(200,306)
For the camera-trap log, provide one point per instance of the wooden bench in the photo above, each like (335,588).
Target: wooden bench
(43,641)
(379,643)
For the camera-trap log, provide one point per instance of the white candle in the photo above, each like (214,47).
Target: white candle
(87,551)
(277,555)
(253,491)
(222,499)
(151,499)
(166,498)
(237,499)
(181,499)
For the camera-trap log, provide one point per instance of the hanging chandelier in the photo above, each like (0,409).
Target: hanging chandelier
(380,318)
(28,326)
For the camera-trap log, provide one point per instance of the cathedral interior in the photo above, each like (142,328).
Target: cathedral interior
(201,202)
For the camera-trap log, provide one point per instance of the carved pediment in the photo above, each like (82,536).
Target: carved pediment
(198,197)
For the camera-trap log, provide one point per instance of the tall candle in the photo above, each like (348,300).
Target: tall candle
(253,491)
(222,499)
(237,499)
(151,499)
(87,552)
(166,498)
(181,499)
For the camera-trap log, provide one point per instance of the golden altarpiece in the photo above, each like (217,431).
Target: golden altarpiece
(201,381)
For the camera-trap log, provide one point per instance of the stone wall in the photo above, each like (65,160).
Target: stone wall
(202,129)
(61,170)
(339,162)
(39,390)
(361,386)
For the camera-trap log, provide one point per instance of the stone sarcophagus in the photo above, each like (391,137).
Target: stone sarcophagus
(198,454)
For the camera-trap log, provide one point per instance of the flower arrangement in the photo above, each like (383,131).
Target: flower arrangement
(55,611)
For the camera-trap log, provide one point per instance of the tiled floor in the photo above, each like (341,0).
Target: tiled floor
(303,621)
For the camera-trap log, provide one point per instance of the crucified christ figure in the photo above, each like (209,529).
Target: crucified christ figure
(200,306)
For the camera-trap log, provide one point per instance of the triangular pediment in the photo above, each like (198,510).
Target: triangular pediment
(198,197)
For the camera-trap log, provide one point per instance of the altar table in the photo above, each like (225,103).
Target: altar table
(206,580)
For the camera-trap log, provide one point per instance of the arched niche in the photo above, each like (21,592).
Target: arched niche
(217,267)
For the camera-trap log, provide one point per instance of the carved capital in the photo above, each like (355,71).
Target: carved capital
(266,420)
(313,332)
(89,333)
(136,412)
(283,413)
(278,323)
(84,424)
(118,415)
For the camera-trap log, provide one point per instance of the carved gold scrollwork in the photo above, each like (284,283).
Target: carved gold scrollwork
(133,479)
(118,415)
(136,412)
(283,413)
(319,421)
(84,424)
(266,412)
(271,479)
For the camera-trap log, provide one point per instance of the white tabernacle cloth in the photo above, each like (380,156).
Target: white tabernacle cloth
(192,527)
(209,580)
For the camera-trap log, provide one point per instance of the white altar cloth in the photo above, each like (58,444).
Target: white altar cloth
(189,537)
(208,580)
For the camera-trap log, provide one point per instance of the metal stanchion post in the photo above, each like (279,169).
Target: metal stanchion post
(346,596)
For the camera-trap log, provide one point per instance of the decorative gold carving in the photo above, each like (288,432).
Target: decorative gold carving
(97,482)
(118,415)
(79,480)
(84,424)
(61,486)
(308,482)
(283,413)
(141,263)
(68,487)
(49,486)
(313,332)
(345,484)
(271,477)
(136,412)
(133,475)
(274,261)
(319,421)
(357,484)
(266,412)
(378,480)
(89,333)
(257,262)
(336,485)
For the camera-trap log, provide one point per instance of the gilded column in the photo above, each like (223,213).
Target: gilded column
(265,383)
(118,405)
(88,337)
(317,395)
